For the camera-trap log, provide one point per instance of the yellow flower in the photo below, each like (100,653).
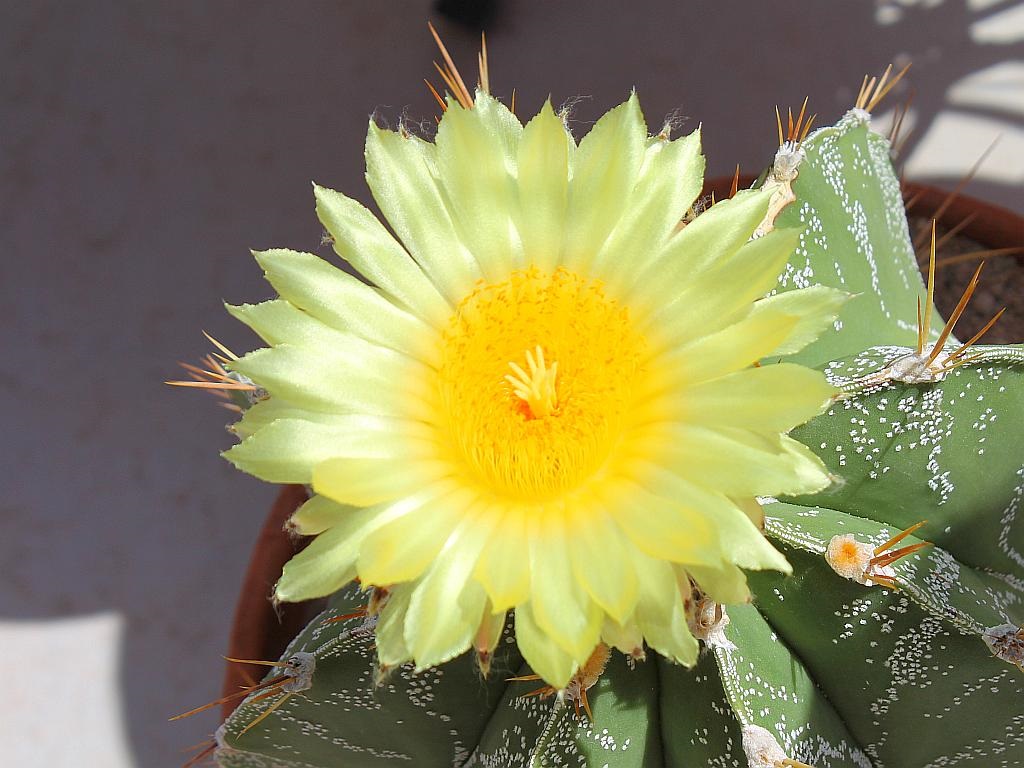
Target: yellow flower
(544,401)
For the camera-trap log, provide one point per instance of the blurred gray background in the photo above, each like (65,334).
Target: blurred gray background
(144,147)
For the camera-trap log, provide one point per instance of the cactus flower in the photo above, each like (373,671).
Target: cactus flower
(544,398)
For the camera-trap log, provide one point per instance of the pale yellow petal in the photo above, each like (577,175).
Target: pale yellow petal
(545,657)
(670,180)
(362,482)
(287,450)
(490,631)
(725,584)
(719,297)
(400,170)
(703,244)
(328,562)
(731,349)
(545,154)
(625,637)
(402,549)
(280,322)
(737,538)
(392,650)
(816,308)
(735,461)
(261,413)
(605,168)
(662,528)
(504,568)
(660,613)
(476,159)
(447,605)
(361,240)
(345,374)
(345,303)
(601,561)
(750,507)
(772,398)
(561,606)
(317,515)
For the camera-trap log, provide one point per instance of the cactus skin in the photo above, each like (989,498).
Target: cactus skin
(835,673)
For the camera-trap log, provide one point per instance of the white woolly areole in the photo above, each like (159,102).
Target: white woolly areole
(709,623)
(851,559)
(857,115)
(761,748)
(916,369)
(220,736)
(300,671)
(787,161)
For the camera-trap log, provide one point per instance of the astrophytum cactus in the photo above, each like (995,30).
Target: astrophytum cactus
(894,642)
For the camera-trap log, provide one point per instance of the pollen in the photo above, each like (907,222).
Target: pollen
(540,430)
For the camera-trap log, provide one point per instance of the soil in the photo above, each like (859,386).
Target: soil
(1001,285)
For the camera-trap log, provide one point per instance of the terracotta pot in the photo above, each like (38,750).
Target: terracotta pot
(259,630)
(990,225)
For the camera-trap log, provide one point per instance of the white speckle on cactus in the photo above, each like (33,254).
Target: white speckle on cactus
(1008,520)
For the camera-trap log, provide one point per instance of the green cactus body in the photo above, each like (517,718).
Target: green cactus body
(918,670)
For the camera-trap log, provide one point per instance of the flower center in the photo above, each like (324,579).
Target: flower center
(536,388)
(537,430)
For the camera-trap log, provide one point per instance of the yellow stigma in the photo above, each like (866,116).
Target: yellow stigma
(543,429)
(536,388)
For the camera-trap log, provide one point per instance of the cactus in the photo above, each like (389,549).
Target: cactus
(894,642)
